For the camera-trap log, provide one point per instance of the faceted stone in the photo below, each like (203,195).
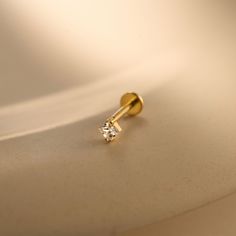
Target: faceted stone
(109,131)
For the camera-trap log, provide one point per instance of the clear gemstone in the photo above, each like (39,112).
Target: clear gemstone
(109,131)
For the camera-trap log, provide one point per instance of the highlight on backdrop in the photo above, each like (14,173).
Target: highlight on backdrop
(117,117)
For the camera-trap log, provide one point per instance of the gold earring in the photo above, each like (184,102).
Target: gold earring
(130,104)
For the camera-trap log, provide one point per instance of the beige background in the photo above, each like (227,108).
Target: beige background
(63,67)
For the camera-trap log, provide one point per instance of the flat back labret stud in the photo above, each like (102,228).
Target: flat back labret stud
(130,104)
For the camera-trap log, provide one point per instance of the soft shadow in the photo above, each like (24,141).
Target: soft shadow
(175,156)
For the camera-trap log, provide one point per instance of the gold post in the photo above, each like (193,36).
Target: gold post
(120,113)
(130,104)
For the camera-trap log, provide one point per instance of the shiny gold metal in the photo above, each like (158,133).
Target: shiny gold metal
(130,104)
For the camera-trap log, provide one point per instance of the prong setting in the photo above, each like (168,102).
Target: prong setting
(109,131)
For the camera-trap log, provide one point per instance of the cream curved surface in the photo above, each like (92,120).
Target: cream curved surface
(63,68)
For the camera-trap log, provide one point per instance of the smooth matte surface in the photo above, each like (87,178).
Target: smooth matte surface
(57,177)
(66,178)
(217,218)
